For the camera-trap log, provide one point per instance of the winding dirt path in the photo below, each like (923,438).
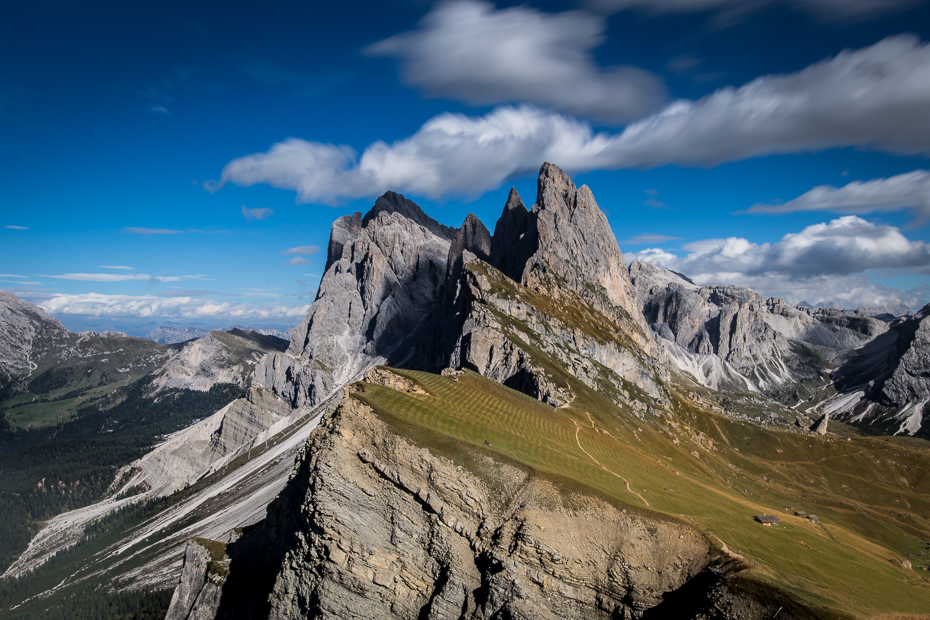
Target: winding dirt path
(625,481)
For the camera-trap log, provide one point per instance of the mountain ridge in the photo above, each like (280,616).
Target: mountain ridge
(596,413)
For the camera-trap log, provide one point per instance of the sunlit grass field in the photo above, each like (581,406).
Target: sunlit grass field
(713,472)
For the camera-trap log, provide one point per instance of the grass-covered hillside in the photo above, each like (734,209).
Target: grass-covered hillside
(872,497)
(88,371)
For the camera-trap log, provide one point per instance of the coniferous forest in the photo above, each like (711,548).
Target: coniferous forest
(47,471)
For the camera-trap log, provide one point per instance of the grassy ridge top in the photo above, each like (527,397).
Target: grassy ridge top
(710,471)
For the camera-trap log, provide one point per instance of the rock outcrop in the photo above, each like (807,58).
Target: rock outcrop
(820,426)
(730,337)
(200,589)
(27,334)
(218,357)
(383,280)
(372,525)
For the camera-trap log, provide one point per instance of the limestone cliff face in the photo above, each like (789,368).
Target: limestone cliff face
(218,357)
(27,334)
(575,244)
(372,525)
(383,279)
(889,379)
(510,331)
(910,379)
(732,337)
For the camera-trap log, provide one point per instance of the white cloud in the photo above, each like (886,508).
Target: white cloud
(827,10)
(135,230)
(307,250)
(120,267)
(875,97)
(468,50)
(823,261)
(298,260)
(122,277)
(844,246)
(260,214)
(10,275)
(99,277)
(95,304)
(22,282)
(15,227)
(909,191)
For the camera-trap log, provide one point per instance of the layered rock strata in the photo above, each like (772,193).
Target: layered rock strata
(373,525)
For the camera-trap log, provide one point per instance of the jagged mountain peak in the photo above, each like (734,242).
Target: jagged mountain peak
(345,229)
(511,246)
(575,242)
(473,237)
(392,202)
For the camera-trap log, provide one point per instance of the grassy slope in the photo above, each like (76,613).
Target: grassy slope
(846,563)
(55,391)
(706,469)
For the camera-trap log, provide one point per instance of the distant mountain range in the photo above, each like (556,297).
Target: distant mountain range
(519,425)
(168,334)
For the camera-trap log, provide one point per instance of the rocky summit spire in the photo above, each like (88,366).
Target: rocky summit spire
(574,243)
(392,202)
(472,237)
(514,238)
(384,276)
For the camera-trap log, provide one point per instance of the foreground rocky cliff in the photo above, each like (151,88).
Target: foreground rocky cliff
(374,525)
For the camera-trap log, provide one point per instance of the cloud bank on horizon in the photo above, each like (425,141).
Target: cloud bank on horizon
(154,306)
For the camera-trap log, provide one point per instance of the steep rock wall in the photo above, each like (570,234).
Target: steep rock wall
(372,525)
(384,278)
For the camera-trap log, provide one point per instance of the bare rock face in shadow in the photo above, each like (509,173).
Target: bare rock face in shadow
(384,278)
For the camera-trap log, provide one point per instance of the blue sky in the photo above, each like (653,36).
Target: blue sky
(184,162)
